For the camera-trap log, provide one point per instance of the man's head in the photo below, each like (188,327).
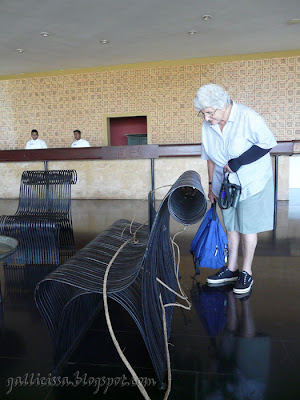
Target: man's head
(77,134)
(34,134)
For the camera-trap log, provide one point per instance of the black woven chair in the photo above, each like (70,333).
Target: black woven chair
(43,222)
(69,297)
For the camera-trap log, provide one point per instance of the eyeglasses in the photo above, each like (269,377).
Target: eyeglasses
(202,114)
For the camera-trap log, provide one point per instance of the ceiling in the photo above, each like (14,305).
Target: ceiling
(139,31)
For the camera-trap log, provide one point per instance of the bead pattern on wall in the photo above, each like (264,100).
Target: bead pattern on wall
(56,105)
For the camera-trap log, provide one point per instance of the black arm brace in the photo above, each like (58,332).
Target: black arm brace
(251,155)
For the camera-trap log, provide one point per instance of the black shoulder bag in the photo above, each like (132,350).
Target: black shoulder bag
(229,194)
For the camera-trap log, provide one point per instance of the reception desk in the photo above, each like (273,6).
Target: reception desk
(124,172)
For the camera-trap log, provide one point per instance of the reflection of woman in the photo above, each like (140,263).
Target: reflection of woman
(237,139)
(245,352)
(242,356)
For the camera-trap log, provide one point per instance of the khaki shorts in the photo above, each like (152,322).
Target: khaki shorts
(254,214)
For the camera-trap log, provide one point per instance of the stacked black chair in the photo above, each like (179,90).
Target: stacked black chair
(43,221)
(69,297)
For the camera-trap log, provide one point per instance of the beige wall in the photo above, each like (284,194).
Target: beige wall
(283,177)
(108,179)
(122,179)
(56,103)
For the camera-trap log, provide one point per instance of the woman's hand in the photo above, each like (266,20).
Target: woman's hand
(212,197)
(227,168)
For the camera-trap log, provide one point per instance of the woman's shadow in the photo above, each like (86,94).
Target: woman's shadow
(239,356)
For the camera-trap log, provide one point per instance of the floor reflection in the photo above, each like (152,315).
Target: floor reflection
(238,355)
(224,348)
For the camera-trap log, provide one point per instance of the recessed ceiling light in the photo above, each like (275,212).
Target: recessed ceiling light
(192,32)
(20,50)
(103,41)
(206,17)
(45,34)
(294,21)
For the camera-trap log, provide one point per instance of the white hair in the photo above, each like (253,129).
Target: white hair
(211,95)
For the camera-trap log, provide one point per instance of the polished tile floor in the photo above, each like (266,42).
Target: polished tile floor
(224,348)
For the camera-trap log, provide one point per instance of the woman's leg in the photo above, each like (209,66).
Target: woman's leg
(233,249)
(249,242)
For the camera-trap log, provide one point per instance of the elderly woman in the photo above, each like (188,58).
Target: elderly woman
(236,139)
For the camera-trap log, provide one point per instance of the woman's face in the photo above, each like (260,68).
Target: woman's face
(213,115)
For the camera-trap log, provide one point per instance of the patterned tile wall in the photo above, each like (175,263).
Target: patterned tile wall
(56,105)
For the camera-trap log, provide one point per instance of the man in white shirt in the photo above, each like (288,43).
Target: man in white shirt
(235,139)
(79,142)
(35,142)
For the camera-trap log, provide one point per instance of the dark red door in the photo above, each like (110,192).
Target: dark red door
(119,127)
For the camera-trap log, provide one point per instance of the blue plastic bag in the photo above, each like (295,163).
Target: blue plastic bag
(210,244)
